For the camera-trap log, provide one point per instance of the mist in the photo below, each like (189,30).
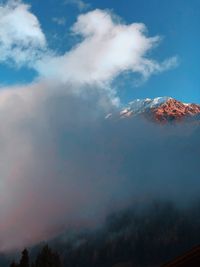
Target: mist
(63,165)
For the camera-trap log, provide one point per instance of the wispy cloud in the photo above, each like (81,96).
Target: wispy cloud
(59,20)
(81,5)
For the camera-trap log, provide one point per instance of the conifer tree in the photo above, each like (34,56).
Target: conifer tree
(14,264)
(24,262)
(47,258)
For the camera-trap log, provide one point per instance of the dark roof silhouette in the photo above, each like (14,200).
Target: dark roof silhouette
(124,264)
(188,259)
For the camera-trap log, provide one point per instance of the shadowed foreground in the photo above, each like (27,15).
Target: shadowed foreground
(149,236)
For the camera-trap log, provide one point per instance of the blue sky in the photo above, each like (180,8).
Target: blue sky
(175,21)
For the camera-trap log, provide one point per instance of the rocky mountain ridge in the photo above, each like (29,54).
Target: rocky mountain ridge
(160,109)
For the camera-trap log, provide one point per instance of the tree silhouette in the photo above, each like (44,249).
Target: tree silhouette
(14,264)
(47,258)
(24,262)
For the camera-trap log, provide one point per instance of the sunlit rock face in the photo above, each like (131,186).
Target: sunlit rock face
(175,110)
(160,109)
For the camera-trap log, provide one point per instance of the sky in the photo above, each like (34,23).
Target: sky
(175,22)
(64,67)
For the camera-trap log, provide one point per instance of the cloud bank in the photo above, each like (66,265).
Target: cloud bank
(62,164)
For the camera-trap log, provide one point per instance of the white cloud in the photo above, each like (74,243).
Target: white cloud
(79,3)
(107,49)
(21,37)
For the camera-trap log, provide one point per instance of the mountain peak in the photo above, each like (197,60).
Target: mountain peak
(173,109)
(139,106)
(161,109)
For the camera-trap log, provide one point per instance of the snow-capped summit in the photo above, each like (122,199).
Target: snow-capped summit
(162,109)
(141,105)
